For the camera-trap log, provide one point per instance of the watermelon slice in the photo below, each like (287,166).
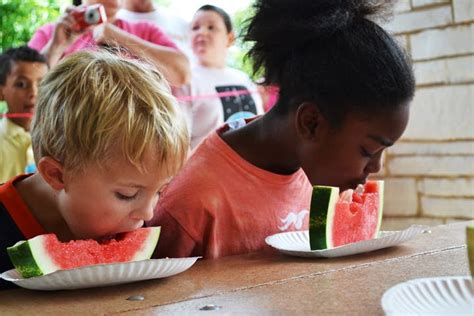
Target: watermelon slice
(44,254)
(336,220)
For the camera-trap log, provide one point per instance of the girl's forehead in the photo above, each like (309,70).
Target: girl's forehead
(382,128)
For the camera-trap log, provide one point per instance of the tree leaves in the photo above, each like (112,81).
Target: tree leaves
(20,19)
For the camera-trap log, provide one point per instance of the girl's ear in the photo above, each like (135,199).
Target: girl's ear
(2,98)
(309,121)
(230,39)
(52,172)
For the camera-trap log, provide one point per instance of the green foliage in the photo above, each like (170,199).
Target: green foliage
(237,55)
(163,3)
(20,19)
(3,107)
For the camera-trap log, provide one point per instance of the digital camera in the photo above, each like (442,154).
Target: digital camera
(88,15)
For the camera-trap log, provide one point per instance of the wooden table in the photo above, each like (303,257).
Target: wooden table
(265,283)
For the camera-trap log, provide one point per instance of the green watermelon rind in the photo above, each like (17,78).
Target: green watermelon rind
(323,204)
(322,209)
(29,258)
(150,245)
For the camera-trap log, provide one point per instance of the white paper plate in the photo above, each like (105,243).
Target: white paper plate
(297,243)
(431,296)
(103,274)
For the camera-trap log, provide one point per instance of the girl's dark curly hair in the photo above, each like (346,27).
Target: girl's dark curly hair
(331,53)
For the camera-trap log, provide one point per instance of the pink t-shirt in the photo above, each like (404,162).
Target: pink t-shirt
(220,205)
(143,30)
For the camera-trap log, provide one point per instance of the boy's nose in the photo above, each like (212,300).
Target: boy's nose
(34,91)
(146,212)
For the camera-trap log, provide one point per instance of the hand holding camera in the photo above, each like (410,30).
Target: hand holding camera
(74,22)
(86,16)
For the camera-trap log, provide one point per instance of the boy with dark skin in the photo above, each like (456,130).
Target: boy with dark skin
(21,70)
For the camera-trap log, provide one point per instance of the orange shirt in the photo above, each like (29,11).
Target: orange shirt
(16,223)
(220,204)
(17,209)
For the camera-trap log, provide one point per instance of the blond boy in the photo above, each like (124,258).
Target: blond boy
(106,137)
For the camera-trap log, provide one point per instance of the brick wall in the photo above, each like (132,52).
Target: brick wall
(429,173)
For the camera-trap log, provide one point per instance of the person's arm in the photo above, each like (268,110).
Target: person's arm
(174,241)
(171,62)
(52,45)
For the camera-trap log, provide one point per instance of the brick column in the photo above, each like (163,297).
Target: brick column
(429,173)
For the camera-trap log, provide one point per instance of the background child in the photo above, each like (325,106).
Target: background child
(144,40)
(345,87)
(211,36)
(106,138)
(21,70)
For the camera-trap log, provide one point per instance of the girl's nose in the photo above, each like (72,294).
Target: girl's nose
(374,164)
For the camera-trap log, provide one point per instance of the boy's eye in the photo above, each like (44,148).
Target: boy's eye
(195,27)
(211,27)
(21,84)
(124,197)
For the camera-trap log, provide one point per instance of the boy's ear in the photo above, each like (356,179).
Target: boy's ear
(309,121)
(2,98)
(230,39)
(52,172)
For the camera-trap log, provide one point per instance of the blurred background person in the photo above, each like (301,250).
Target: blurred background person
(143,39)
(220,93)
(146,10)
(21,70)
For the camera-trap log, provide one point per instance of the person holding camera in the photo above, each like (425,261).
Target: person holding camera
(89,26)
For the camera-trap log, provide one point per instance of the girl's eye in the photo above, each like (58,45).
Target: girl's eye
(365,153)
(124,197)
(195,27)
(211,27)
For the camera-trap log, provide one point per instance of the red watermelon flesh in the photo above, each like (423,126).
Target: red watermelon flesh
(45,253)
(124,248)
(361,211)
(352,216)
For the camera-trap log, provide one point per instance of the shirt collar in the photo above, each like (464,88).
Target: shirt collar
(10,128)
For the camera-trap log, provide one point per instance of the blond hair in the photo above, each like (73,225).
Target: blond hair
(94,102)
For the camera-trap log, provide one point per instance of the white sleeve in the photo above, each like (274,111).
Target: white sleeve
(182,95)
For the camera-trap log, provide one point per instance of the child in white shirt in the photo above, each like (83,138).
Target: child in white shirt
(220,93)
